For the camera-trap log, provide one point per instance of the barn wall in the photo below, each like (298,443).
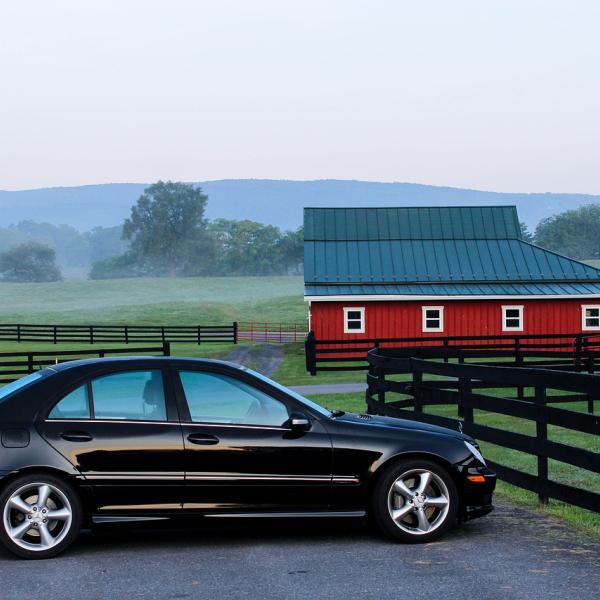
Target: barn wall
(462,317)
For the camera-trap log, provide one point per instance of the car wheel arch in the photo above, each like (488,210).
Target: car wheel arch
(74,482)
(392,460)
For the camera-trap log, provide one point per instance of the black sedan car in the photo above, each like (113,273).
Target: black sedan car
(135,439)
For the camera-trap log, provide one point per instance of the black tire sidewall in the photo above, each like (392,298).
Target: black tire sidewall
(381,490)
(76,510)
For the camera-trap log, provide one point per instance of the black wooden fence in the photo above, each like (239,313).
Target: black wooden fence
(567,350)
(14,365)
(456,388)
(120,334)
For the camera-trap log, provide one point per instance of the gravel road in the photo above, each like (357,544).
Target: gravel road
(513,553)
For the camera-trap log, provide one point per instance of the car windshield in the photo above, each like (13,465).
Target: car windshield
(316,407)
(9,389)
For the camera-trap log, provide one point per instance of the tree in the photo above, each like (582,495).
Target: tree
(291,249)
(525,233)
(105,242)
(247,247)
(166,224)
(574,233)
(31,261)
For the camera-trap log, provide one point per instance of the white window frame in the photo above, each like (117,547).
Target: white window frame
(584,325)
(360,309)
(424,327)
(521,310)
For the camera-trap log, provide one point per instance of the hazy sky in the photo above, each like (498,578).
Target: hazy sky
(501,95)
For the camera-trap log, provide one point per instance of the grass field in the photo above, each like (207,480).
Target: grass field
(162,301)
(293,370)
(560,472)
(193,350)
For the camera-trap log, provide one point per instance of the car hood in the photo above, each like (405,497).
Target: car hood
(395,423)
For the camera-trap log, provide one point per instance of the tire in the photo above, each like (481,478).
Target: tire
(34,499)
(411,517)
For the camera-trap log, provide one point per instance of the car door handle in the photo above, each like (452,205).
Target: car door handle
(76,436)
(202,439)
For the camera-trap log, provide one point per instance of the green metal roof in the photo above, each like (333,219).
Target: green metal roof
(412,223)
(472,246)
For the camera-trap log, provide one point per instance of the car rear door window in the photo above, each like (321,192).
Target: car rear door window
(74,405)
(216,398)
(130,395)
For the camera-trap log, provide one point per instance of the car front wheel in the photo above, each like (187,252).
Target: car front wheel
(41,516)
(415,501)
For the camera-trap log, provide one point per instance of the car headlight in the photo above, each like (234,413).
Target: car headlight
(475,452)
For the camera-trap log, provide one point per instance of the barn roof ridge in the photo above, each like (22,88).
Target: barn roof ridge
(411,222)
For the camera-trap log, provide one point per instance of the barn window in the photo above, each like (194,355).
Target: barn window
(590,317)
(512,318)
(433,318)
(354,320)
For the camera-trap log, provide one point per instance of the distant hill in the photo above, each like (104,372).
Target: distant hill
(276,202)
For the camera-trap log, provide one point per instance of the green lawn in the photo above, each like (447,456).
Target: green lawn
(293,370)
(558,471)
(202,351)
(162,301)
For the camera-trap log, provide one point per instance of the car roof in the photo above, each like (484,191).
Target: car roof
(137,360)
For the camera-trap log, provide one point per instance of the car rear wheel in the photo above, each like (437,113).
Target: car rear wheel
(415,501)
(41,516)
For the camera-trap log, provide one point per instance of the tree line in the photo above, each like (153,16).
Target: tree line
(167,234)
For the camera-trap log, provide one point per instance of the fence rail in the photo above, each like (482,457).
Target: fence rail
(14,365)
(120,334)
(571,350)
(280,333)
(457,389)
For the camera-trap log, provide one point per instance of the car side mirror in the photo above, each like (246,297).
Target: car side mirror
(299,421)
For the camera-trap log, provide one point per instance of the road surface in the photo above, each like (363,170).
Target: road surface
(513,553)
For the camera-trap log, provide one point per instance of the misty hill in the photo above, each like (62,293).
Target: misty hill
(277,202)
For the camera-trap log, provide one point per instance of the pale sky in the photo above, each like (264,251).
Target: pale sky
(490,94)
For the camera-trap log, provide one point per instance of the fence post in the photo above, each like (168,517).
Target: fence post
(18,333)
(519,363)
(235,332)
(310,352)
(91,334)
(541,437)
(30,363)
(590,368)
(166,348)
(417,382)
(578,343)
(126,334)
(446,345)
(465,408)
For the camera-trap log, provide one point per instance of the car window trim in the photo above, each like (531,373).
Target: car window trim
(119,421)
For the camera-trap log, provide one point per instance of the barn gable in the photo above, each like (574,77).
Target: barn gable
(402,253)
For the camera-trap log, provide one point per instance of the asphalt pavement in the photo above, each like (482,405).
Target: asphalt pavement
(513,553)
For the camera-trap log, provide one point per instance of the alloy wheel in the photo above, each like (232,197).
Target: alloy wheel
(418,501)
(37,516)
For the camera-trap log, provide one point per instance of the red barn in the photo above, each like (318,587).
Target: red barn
(444,271)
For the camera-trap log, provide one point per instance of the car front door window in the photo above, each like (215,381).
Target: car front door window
(216,398)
